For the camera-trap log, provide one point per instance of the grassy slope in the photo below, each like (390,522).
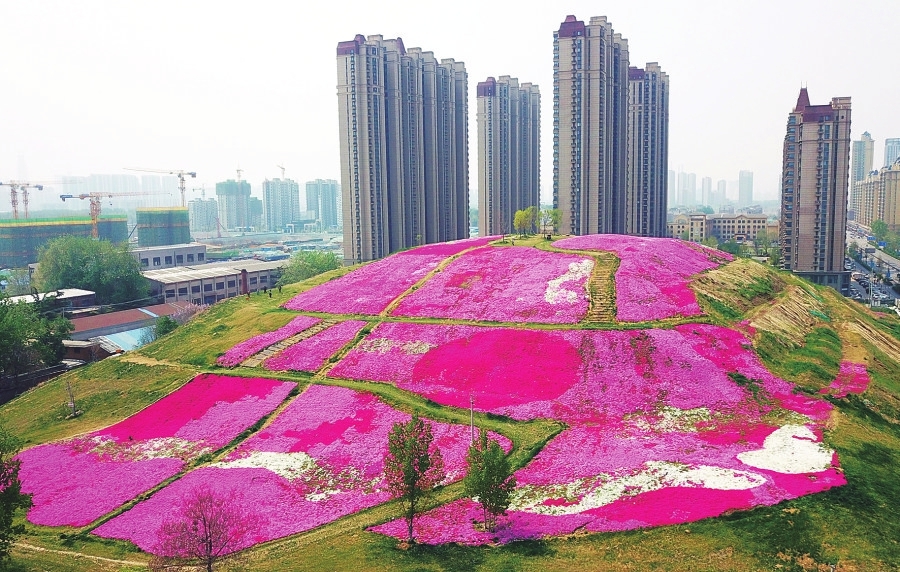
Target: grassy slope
(851,526)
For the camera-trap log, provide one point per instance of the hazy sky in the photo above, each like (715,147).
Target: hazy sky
(92,87)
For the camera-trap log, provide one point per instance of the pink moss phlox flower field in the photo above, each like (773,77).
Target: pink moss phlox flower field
(322,458)
(652,279)
(505,284)
(575,376)
(852,378)
(638,476)
(247,348)
(310,354)
(75,482)
(371,288)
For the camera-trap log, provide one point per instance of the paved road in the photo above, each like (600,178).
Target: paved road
(886,263)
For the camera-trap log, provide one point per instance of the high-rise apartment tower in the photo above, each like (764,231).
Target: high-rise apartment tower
(281,203)
(403,121)
(891,151)
(862,157)
(745,188)
(322,199)
(815,172)
(234,204)
(590,108)
(647,164)
(509,150)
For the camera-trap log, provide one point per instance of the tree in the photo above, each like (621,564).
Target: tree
(306,264)
(208,527)
(31,336)
(11,496)
(531,217)
(550,219)
(879,229)
(105,268)
(489,479)
(413,466)
(520,222)
(762,241)
(710,241)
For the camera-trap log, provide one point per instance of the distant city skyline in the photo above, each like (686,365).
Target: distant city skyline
(93,87)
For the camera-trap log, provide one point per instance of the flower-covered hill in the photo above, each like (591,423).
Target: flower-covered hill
(636,383)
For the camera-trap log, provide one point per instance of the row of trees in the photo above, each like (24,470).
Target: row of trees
(526,221)
(11,497)
(414,467)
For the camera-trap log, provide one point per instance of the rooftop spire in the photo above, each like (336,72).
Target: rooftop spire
(802,100)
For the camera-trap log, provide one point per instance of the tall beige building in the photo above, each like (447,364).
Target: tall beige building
(814,178)
(403,120)
(877,197)
(590,107)
(509,152)
(647,169)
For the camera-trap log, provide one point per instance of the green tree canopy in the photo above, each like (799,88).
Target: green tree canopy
(31,336)
(413,466)
(306,264)
(105,268)
(880,229)
(11,497)
(489,478)
(550,220)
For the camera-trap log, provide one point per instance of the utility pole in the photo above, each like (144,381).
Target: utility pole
(472,416)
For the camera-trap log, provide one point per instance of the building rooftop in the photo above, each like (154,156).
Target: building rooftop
(211,270)
(167,247)
(64,293)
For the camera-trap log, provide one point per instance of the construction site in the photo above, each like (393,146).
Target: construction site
(163,226)
(21,240)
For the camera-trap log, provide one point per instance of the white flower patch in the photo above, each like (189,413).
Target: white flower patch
(673,419)
(384,345)
(594,492)
(291,466)
(156,448)
(792,449)
(577,271)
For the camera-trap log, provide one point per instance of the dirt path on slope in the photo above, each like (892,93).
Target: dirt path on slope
(72,553)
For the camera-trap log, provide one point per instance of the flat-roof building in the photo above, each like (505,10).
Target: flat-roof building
(210,283)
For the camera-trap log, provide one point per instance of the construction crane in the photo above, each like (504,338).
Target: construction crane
(202,189)
(16,186)
(178,173)
(282,171)
(95,199)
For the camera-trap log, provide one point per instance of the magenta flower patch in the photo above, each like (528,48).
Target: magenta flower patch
(310,354)
(652,279)
(322,458)
(247,348)
(852,378)
(510,284)
(370,289)
(74,482)
(627,475)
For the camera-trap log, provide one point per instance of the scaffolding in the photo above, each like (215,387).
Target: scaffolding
(21,240)
(163,226)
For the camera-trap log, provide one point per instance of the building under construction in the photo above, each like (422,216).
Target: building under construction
(21,240)
(162,226)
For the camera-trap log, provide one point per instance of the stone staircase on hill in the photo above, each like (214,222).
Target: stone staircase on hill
(603,290)
(256,359)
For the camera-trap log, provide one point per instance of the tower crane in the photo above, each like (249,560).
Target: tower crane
(178,173)
(282,171)
(16,186)
(95,199)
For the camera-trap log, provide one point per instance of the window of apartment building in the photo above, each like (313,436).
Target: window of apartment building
(220,285)
(156,261)
(170,293)
(179,259)
(195,289)
(168,260)
(182,291)
(263,279)
(253,280)
(207,287)
(231,283)
(190,257)
(145,262)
